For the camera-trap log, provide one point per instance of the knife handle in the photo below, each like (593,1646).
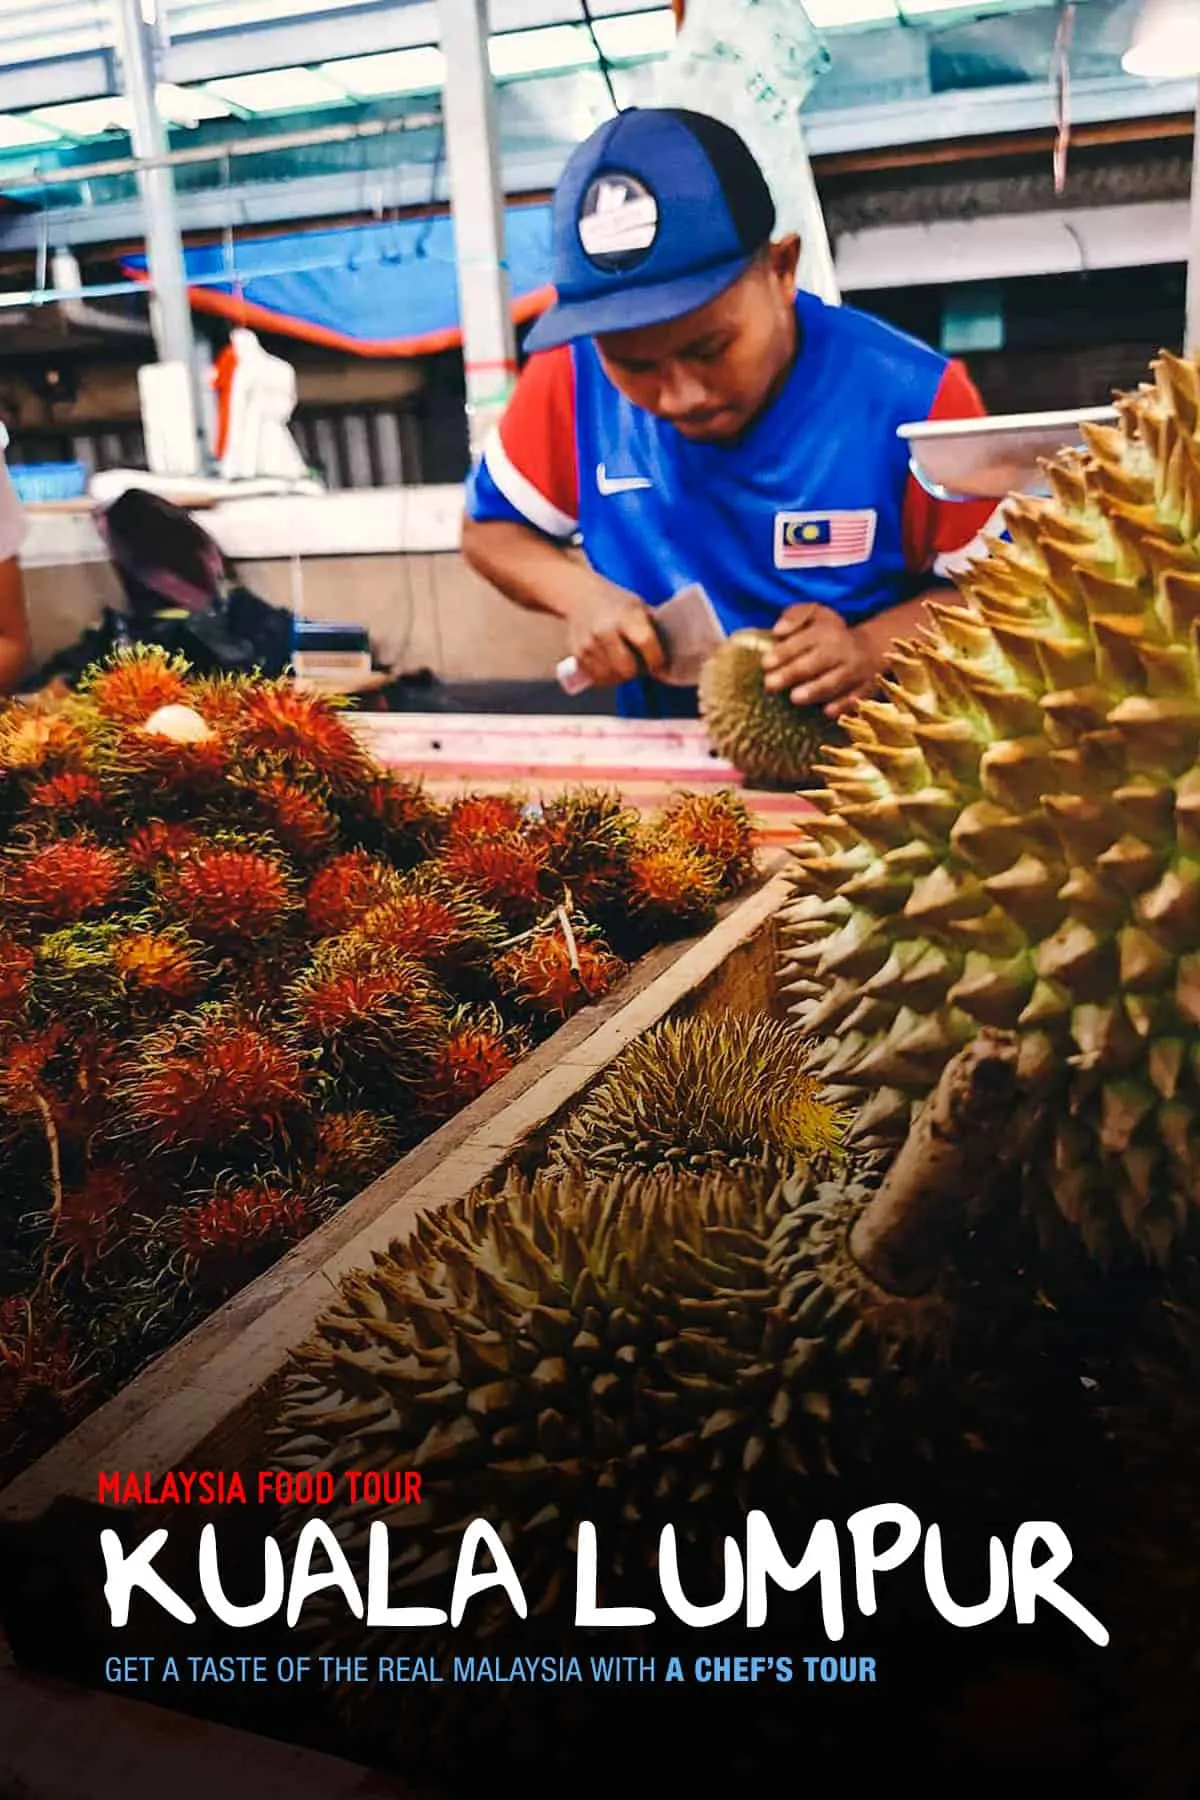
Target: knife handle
(571,678)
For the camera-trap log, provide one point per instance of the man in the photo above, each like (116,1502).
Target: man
(14,624)
(694,417)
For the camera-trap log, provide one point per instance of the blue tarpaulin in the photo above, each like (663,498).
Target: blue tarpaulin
(387,289)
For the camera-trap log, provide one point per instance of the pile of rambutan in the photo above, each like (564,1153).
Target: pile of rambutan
(243,969)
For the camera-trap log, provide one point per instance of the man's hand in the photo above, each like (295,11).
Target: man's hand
(611,634)
(819,659)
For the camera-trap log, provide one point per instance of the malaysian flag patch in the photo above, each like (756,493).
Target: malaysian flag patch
(829,540)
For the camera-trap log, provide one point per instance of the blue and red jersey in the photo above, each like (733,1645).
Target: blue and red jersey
(815,502)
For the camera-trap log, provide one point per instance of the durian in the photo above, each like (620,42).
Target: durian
(767,738)
(1012,838)
(702,1092)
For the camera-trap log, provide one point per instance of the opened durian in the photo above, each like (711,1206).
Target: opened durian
(1012,839)
(702,1092)
(766,737)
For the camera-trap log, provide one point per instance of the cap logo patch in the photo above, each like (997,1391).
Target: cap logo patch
(618,221)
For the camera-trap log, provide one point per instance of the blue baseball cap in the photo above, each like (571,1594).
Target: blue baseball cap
(656,213)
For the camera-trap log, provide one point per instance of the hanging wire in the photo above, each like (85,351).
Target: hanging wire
(1061,76)
(605,65)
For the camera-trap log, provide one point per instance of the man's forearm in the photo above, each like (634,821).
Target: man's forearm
(885,629)
(527,568)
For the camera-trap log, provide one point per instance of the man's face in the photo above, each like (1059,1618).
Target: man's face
(711,372)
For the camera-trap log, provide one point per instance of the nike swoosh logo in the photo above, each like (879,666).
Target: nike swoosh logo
(619,484)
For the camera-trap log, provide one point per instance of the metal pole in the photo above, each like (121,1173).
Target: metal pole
(1191,335)
(477,205)
(170,311)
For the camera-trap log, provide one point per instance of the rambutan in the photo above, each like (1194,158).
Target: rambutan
(164,965)
(352,1148)
(158,842)
(36,742)
(444,927)
(228,896)
(719,826)
(221,699)
(59,880)
(484,816)
(149,776)
(16,965)
(73,791)
(44,1382)
(93,1215)
(344,890)
(296,816)
(209,1079)
(304,731)
(505,872)
(31,1071)
(229,1237)
(553,972)
(588,835)
(134,682)
(671,889)
(394,817)
(478,1052)
(376,1016)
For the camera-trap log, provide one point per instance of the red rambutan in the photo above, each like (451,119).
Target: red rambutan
(233,1235)
(93,1214)
(719,826)
(16,966)
(41,742)
(304,731)
(228,896)
(159,963)
(70,791)
(478,1052)
(505,872)
(344,890)
(208,1079)
(484,816)
(31,1071)
(376,1016)
(61,880)
(300,819)
(672,888)
(44,1383)
(158,842)
(135,682)
(352,1148)
(394,817)
(447,930)
(149,775)
(553,974)
(588,835)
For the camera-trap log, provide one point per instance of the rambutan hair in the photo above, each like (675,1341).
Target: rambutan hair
(504,872)
(94,1214)
(480,1049)
(208,1080)
(552,973)
(352,1146)
(671,888)
(135,681)
(345,889)
(45,1381)
(228,896)
(160,965)
(588,836)
(296,816)
(482,815)
(57,881)
(16,966)
(719,826)
(37,742)
(156,842)
(393,817)
(228,1237)
(376,1017)
(304,732)
(73,791)
(442,926)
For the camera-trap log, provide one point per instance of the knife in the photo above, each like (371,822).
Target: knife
(689,629)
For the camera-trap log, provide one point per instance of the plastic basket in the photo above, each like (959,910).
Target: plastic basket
(39,482)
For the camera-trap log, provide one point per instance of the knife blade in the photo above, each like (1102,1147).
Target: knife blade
(689,629)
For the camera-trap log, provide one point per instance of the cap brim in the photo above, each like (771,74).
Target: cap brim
(632,308)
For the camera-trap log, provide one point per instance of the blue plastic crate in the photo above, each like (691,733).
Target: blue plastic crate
(36,482)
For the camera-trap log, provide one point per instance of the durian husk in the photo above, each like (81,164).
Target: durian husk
(1010,839)
(702,1092)
(767,738)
